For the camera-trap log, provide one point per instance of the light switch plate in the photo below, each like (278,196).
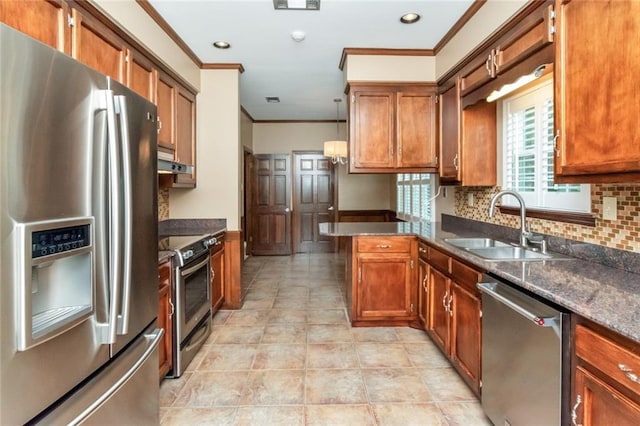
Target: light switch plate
(609,208)
(470,199)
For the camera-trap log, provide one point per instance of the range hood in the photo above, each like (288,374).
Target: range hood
(166,165)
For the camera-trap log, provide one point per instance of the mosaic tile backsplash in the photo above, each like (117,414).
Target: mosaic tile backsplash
(163,204)
(623,233)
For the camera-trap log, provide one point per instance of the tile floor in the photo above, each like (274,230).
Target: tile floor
(289,357)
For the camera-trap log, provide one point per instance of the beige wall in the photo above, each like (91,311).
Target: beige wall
(489,18)
(135,21)
(355,191)
(246,130)
(219,153)
(389,68)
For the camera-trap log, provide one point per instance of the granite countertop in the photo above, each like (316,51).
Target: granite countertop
(606,295)
(178,227)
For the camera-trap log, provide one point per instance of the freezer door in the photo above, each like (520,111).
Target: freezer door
(125,392)
(137,304)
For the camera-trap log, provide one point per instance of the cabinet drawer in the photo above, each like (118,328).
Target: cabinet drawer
(440,260)
(384,245)
(164,274)
(423,250)
(465,276)
(614,360)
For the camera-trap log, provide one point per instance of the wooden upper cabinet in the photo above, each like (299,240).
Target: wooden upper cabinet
(141,76)
(166,101)
(479,72)
(392,128)
(416,130)
(372,129)
(95,45)
(449,140)
(597,96)
(44,20)
(186,133)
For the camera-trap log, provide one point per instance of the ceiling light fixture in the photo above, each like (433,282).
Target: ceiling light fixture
(410,18)
(296,4)
(221,44)
(336,149)
(273,99)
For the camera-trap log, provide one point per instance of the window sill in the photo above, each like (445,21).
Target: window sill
(584,219)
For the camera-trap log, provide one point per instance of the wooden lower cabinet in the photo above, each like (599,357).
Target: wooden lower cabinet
(606,388)
(165,316)
(217,276)
(382,289)
(423,299)
(454,318)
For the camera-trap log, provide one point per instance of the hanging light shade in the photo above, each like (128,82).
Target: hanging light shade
(336,149)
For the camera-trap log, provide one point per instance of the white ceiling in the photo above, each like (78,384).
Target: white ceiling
(305,75)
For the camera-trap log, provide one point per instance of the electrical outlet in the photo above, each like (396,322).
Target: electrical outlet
(470,199)
(609,208)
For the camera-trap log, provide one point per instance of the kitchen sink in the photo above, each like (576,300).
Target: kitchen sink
(473,243)
(507,253)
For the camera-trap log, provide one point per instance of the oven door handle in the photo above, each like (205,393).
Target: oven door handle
(202,335)
(193,269)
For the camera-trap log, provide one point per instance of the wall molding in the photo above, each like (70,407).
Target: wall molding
(221,66)
(381,52)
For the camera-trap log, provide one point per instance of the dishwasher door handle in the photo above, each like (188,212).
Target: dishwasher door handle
(489,289)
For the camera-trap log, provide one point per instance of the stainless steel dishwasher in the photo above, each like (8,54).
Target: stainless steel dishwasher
(524,358)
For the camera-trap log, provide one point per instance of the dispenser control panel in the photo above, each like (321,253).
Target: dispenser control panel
(53,241)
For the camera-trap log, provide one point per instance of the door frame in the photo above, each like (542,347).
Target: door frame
(295,222)
(247,218)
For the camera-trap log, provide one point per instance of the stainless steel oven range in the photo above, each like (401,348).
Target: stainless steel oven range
(191,294)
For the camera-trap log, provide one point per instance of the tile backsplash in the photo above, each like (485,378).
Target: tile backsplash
(623,233)
(163,204)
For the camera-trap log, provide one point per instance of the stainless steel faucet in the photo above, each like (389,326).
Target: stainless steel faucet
(524,232)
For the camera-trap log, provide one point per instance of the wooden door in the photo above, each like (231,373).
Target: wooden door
(416,140)
(466,335)
(600,404)
(185,134)
(166,100)
(313,202)
(597,96)
(372,132)
(385,286)
(141,76)
(93,44)
(272,205)
(438,324)
(423,286)
(44,20)
(450,134)
(217,278)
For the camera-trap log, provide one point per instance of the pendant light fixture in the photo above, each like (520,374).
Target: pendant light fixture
(336,149)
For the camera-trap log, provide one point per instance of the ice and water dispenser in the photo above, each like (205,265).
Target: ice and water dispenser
(55,278)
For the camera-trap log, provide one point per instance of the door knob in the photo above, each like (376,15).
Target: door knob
(330,208)
(287,210)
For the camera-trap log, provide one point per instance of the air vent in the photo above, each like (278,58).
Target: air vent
(273,99)
(296,4)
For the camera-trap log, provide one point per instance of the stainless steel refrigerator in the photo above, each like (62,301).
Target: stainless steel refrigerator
(78,193)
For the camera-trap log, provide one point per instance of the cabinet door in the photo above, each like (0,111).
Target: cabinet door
(384,286)
(44,20)
(141,76)
(596,91)
(423,293)
(372,130)
(165,313)
(166,100)
(95,45)
(217,280)
(480,71)
(479,139)
(450,134)
(439,317)
(416,146)
(466,335)
(596,403)
(185,133)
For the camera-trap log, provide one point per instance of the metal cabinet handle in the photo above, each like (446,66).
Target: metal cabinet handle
(449,306)
(422,250)
(424,282)
(629,373)
(455,162)
(383,246)
(173,309)
(574,414)
(444,300)
(555,143)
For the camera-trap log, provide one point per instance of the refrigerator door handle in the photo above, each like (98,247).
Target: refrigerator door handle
(114,259)
(126,199)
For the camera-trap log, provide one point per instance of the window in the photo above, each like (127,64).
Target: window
(528,154)
(413,197)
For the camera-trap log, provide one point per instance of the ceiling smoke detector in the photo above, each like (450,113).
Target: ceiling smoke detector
(296,4)
(298,36)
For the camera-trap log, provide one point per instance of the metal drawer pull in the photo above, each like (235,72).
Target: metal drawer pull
(421,250)
(384,246)
(629,373)
(449,306)
(424,282)
(574,414)
(444,301)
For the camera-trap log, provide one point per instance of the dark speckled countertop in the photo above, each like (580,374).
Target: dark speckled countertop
(176,227)
(603,294)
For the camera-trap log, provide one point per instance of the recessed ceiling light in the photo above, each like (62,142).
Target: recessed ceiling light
(221,44)
(273,99)
(409,18)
